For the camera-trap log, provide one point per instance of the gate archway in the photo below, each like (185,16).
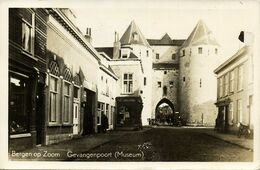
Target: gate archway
(164,112)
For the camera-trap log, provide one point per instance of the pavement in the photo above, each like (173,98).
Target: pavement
(60,150)
(231,138)
(86,143)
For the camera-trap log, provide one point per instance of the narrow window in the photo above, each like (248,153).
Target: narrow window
(200,83)
(128,83)
(231,86)
(183,52)
(144,81)
(147,53)
(183,79)
(216,51)
(231,113)
(200,50)
(239,111)
(226,84)
(107,110)
(159,84)
(240,77)
(157,56)
(165,91)
(174,56)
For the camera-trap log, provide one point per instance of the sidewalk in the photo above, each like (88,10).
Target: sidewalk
(65,150)
(231,138)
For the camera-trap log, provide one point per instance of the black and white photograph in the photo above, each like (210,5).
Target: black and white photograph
(130,84)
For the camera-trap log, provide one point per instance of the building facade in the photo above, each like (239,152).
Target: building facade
(27,68)
(235,90)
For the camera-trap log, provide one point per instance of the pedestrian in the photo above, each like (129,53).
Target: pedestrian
(104,123)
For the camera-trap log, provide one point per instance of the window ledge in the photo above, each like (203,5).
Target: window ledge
(67,124)
(54,124)
(22,135)
(28,55)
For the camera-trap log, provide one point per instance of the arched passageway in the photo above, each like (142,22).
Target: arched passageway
(164,112)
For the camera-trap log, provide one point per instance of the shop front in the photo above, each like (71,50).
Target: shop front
(129,112)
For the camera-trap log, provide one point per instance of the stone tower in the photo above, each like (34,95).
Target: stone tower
(165,73)
(197,83)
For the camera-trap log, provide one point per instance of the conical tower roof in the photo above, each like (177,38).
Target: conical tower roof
(133,35)
(201,34)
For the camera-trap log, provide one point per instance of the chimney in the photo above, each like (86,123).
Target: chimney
(117,46)
(88,35)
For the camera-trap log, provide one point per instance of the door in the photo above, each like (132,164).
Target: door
(75,118)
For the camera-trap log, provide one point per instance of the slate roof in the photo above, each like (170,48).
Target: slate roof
(128,36)
(201,34)
(165,40)
(107,50)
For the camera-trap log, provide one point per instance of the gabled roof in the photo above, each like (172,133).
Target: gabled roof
(200,35)
(165,40)
(128,36)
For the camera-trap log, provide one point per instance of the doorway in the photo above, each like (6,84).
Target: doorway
(88,107)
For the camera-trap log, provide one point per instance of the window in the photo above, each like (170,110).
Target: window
(128,83)
(27,37)
(99,113)
(157,56)
(231,113)
(174,56)
(226,84)
(102,78)
(27,32)
(220,87)
(18,94)
(231,83)
(112,112)
(200,83)
(107,110)
(54,94)
(159,84)
(165,72)
(165,91)
(183,52)
(171,83)
(76,92)
(147,53)
(144,81)
(183,79)
(216,51)
(135,36)
(124,56)
(240,78)
(67,101)
(239,111)
(200,50)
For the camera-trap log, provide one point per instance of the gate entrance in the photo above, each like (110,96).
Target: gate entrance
(164,112)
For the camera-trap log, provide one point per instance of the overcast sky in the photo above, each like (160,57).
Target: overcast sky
(155,18)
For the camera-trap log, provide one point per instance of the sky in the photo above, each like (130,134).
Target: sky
(177,18)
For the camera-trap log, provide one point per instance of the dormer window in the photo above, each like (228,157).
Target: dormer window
(135,36)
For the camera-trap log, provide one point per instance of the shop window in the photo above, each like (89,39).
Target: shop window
(128,83)
(18,98)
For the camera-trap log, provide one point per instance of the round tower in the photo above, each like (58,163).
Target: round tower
(197,82)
